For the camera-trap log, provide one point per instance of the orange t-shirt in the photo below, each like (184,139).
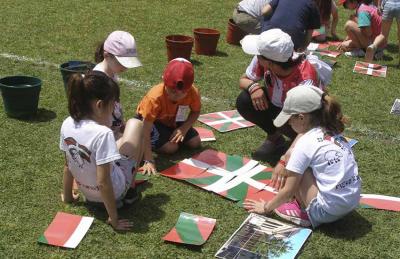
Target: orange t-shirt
(156,106)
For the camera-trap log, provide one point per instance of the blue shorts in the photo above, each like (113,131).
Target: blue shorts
(317,215)
(391,9)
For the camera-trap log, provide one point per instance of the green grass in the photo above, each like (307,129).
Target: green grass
(31,163)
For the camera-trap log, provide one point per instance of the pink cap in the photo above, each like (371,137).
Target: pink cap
(179,70)
(122,45)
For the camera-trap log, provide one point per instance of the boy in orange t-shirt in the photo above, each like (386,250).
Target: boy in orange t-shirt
(168,112)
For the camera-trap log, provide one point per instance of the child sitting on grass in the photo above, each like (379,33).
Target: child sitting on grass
(102,167)
(319,169)
(362,29)
(168,112)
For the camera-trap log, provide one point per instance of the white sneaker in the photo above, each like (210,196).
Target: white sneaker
(356,53)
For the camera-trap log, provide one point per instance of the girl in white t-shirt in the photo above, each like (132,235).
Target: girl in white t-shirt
(102,167)
(319,169)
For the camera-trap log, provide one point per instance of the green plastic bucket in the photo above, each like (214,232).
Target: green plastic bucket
(20,95)
(72,67)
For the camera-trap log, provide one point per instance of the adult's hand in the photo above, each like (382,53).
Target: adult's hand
(259,99)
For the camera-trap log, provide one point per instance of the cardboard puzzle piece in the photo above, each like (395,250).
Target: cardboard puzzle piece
(370,69)
(182,171)
(205,134)
(263,237)
(140,179)
(380,202)
(225,121)
(328,53)
(396,107)
(191,229)
(351,141)
(66,230)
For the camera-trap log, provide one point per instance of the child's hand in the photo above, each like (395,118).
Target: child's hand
(178,135)
(279,176)
(255,206)
(120,224)
(149,168)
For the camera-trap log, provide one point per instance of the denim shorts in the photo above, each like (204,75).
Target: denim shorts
(317,215)
(391,9)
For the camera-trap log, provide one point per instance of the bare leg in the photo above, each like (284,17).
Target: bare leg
(308,189)
(380,40)
(130,143)
(358,39)
(168,148)
(398,36)
(194,142)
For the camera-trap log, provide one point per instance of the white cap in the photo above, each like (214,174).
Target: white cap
(273,44)
(123,46)
(300,99)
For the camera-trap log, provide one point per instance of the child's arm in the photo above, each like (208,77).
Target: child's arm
(149,166)
(107,195)
(67,195)
(179,133)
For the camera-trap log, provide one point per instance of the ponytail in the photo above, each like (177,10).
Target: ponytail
(83,89)
(330,116)
(99,54)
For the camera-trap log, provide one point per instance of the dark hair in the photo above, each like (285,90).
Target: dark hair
(99,54)
(330,116)
(325,8)
(82,89)
(367,2)
(290,63)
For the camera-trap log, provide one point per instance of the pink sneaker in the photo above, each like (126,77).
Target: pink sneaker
(292,212)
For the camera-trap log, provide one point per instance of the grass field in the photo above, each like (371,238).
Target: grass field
(39,35)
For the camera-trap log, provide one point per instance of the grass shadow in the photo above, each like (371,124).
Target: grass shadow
(392,48)
(141,213)
(221,54)
(42,115)
(351,227)
(196,62)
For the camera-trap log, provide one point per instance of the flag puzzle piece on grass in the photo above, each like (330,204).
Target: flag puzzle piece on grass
(351,141)
(66,230)
(225,121)
(233,177)
(370,69)
(396,107)
(381,202)
(328,53)
(140,179)
(205,134)
(191,229)
(322,46)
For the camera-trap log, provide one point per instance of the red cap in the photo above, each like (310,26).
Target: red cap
(342,2)
(179,70)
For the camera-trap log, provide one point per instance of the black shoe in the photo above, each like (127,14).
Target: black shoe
(131,196)
(270,149)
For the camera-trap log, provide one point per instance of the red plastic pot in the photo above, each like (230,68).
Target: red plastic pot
(206,41)
(234,33)
(179,46)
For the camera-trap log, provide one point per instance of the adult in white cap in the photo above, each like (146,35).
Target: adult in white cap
(114,56)
(248,15)
(281,68)
(320,169)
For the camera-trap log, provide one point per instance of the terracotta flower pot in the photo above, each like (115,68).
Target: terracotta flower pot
(234,34)
(179,46)
(20,95)
(206,41)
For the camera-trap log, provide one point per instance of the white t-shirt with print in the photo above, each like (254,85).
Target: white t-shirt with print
(334,168)
(88,144)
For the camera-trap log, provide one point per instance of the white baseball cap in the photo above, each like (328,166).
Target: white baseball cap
(123,46)
(273,44)
(300,99)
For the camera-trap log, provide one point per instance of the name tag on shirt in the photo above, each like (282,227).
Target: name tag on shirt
(182,113)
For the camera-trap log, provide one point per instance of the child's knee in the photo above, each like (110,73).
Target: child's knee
(134,123)
(168,148)
(350,25)
(195,142)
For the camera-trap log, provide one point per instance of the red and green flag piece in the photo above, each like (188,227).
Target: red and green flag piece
(370,69)
(191,229)
(66,230)
(205,134)
(182,171)
(225,121)
(139,179)
(381,202)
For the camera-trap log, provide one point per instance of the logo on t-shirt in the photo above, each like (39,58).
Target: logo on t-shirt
(333,157)
(78,152)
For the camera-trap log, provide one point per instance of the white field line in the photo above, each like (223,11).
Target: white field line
(371,134)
